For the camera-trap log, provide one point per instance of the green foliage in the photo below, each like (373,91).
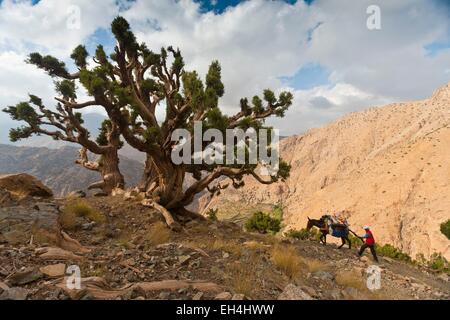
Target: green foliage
(213,79)
(302,234)
(66,88)
(53,66)
(93,83)
(23,112)
(445,228)
(15,134)
(212,214)
(277,213)
(79,56)
(355,241)
(263,223)
(284,170)
(392,252)
(122,31)
(439,263)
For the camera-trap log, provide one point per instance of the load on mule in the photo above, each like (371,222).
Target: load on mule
(328,224)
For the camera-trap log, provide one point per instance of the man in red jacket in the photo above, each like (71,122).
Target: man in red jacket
(369,243)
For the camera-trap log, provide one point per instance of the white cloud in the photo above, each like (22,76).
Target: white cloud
(48,25)
(257,42)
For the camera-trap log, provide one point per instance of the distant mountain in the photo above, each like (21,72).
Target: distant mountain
(386,167)
(56,167)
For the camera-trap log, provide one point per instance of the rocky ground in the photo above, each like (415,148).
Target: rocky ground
(124,251)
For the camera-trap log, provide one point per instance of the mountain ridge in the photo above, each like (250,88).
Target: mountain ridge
(385,166)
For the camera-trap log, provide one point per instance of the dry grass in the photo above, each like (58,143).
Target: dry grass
(124,240)
(158,233)
(79,208)
(42,237)
(229,246)
(287,260)
(242,278)
(68,220)
(314,265)
(255,245)
(350,279)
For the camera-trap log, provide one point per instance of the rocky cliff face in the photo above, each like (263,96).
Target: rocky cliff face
(388,167)
(56,167)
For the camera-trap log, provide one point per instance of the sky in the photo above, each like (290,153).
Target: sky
(320,50)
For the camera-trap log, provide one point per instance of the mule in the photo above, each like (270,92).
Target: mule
(322,225)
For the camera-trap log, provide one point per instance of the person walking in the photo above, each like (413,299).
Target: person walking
(369,243)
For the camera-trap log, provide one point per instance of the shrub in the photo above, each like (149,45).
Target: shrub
(302,234)
(355,240)
(393,252)
(212,214)
(287,260)
(439,263)
(445,228)
(263,223)
(277,213)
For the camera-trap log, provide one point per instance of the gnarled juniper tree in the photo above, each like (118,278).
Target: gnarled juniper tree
(132,83)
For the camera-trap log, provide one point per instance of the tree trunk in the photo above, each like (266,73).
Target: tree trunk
(107,166)
(109,169)
(162,182)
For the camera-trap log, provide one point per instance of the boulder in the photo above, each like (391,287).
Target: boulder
(23,185)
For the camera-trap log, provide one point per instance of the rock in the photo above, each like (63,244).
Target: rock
(351,293)
(444,277)
(183,259)
(19,224)
(223,296)
(3,287)
(88,226)
(293,292)
(238,296)
(117,192)
(364,259)
(198,296)
(131,194)
(335,294)
(24,185)
(14,293)
(310,291)
(6,198)
(77,194)
(323,275)
(165,295)
(54,270)
(24,277)
(388,260)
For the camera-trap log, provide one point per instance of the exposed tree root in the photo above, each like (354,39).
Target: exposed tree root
(174,225)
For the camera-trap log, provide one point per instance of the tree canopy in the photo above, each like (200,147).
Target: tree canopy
(130,84)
